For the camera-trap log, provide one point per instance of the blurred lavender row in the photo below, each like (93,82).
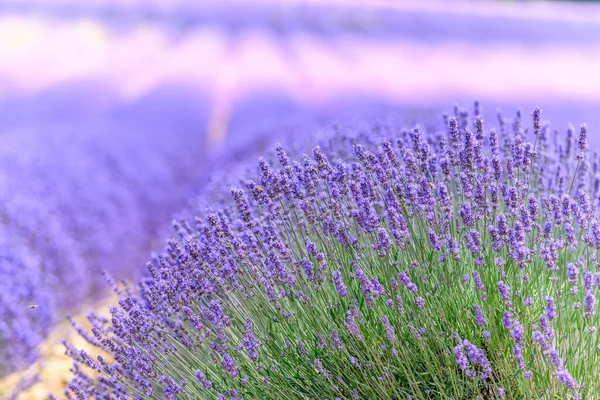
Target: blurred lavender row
(77,198)
(430,21)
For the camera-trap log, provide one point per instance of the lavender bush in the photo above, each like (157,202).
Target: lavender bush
(392,264)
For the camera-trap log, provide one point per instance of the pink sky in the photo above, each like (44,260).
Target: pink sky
(42,53)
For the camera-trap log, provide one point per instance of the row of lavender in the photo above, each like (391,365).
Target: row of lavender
(387,263)
(378,21)
(73,203)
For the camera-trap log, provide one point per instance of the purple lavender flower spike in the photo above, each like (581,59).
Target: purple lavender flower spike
(582,141)
(590,303)
(504,291)
(339,283)
(405,280)
(203,380)
(461,358)
(479,315)
(389,329)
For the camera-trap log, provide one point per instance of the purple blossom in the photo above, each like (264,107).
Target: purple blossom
(478,283)
(590,303)
(537,120)
(250,342)
(466,214)
(572,273)
(339,283)
(405,280)
(203,380)
(517,332)
(518,353)
(479,315)
(376,287)
(321,369)
(389,329)
(588,279)
(460,357)
(336,341)
(566,379)
(504,291)
(230,365)
(384,243)
(550,308)
(477,357)
(352,326)
(365,282)
(434,240)
(474,241)
(582,141)
(302,349)
(507,320)
(171,389)
(419,302)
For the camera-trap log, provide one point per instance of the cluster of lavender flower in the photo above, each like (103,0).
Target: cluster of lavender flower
(392,264)
(71,204)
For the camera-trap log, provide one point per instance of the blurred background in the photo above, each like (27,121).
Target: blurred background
(113,113)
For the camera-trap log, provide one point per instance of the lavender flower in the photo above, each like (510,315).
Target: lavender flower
(479,315)
(202,379)
(335,338)
(566,379)
(405,280)
(460,357)
(389,329)
(550,308)
(478,283)
(384,243)
(582,144)
(537,120)
(504,291)
(250,342)
(339,283)
(590,303)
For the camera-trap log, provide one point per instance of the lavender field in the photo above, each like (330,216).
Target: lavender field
(299,201)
